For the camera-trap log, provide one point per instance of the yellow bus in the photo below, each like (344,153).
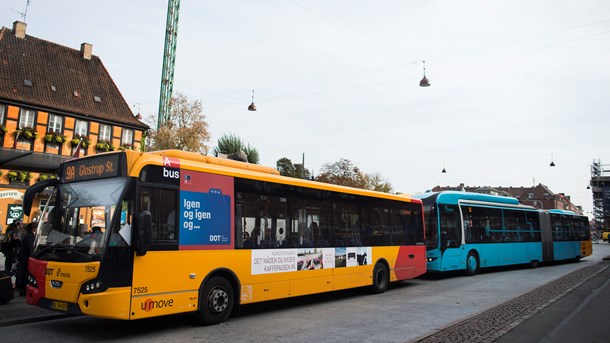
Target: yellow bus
(130,235)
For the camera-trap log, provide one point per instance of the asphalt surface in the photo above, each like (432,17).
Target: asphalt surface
(573,308)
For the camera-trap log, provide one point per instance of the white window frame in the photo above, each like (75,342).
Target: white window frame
(55,123)
(105,133)
(127,137)
(27,118)
(79,125)
(2,113)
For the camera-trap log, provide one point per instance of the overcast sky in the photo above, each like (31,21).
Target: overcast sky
(515,83)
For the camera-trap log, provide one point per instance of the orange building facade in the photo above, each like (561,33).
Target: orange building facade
(55,103)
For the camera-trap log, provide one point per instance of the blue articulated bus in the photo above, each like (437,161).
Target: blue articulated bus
(468,231)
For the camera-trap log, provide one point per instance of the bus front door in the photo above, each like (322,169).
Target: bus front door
(451,248)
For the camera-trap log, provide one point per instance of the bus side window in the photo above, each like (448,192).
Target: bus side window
(167,215)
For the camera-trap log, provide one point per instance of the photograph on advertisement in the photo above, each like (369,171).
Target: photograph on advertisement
(310,259)
(98,217)
(363,255)
(340,257)
(351,257)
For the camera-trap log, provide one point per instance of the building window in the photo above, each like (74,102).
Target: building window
(26,118)
(127,137)
(105,133)
(81,128)
(2,112)
(55,123)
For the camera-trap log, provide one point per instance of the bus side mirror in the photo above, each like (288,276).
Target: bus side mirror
(144,232)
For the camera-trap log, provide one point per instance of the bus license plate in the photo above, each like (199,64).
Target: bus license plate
(59,305)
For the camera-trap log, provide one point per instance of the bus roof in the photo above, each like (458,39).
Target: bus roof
(558,211)
(452,197)
(137,160)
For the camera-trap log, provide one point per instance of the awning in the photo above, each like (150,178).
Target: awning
(30,161)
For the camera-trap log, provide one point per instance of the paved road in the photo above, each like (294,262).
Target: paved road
(408,311)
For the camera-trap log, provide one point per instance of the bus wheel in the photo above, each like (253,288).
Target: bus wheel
(472,264)
(381,278)
(534,264)
(216,301)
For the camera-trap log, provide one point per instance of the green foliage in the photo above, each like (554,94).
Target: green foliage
(52,137)
(18,175)
(3,130)
(104,146)
(27,133)
(126,147)
(230,144)
(77,138)
(44,177)
(287,168)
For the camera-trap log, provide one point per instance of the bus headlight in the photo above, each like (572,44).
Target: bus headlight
(93,286)
(430,259)
(32,281)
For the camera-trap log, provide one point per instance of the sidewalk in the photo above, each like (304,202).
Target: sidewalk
(582,315)
(17,311)
(573,308)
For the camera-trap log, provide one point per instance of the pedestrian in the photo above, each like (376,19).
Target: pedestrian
(11,245)
(27,249)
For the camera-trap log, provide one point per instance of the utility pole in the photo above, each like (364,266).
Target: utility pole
(169,59)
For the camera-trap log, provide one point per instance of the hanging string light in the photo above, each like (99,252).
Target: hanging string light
(252,106)
(424,81)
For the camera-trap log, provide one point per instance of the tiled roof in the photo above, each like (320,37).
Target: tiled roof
(61,80)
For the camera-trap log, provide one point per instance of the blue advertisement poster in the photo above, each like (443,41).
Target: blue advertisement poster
(206,211)
(205,218)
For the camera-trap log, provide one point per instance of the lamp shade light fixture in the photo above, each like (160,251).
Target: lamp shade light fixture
(444,170)
(552,163)
(424,81)
(252,106)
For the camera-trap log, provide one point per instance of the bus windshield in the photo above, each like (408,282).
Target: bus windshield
(77,220)
(431,223)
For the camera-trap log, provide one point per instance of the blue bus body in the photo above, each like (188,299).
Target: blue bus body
(467,231)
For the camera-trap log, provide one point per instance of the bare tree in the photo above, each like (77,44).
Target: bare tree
(378,183)
(187,128)
(344,172)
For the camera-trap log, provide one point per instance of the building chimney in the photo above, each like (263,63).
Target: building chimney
(86,49)
(19,29)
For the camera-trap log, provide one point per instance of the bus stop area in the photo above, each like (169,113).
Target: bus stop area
(573,308)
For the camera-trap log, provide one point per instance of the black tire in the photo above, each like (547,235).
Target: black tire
(381,278)
(216,301)
(534,264)
(472,264)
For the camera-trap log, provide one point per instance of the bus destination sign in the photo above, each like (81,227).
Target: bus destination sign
(95,167)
